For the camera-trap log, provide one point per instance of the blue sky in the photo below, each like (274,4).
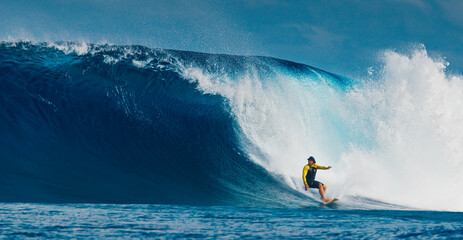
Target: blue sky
(343,37)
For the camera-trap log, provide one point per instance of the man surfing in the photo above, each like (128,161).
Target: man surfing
(308,175)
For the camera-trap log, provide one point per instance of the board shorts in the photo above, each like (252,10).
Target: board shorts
(315,184)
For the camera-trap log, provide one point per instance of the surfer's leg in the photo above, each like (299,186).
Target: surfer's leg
(321,189)
(324,188)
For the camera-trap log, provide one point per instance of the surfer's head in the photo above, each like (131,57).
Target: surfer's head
(311,160)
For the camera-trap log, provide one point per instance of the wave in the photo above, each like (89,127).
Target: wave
(93,125)
(127,124)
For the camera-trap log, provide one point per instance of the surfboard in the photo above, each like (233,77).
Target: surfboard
(332,201)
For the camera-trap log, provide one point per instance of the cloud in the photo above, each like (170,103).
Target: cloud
(418,3)
(453,10)
(319,37)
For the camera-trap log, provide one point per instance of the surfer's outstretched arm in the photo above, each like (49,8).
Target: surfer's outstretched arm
(320,167)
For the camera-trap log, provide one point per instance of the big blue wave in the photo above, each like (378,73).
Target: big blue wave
(88,128)
(128,124)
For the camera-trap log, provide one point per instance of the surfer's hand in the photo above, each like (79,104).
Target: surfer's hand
(329,167)
(306,187)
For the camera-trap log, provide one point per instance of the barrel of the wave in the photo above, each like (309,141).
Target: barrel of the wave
(74,123)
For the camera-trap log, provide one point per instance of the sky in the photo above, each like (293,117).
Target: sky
(341,36)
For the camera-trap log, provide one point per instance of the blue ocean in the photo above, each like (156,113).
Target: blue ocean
(108,141)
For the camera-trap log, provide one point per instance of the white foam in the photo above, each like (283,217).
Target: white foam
(140,63)
(79,48)
(414,115)
(397,139)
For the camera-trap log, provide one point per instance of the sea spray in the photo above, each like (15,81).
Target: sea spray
(412,112)
(395,137)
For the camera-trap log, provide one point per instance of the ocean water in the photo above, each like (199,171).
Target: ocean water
(177,144)
(97,221)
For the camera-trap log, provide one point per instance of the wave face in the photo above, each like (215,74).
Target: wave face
(118,124)
(127,124)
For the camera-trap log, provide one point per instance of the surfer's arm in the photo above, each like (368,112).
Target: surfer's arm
(320,167)
(304,174)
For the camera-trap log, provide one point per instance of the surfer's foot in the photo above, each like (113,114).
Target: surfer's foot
(327,200)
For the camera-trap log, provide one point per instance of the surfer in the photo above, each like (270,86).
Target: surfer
(308,174)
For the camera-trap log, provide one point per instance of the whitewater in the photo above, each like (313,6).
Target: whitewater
(150,117)
(394,137)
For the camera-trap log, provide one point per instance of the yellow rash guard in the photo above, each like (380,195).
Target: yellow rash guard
(312,171)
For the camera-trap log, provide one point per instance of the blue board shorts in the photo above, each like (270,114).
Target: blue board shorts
(315,184)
